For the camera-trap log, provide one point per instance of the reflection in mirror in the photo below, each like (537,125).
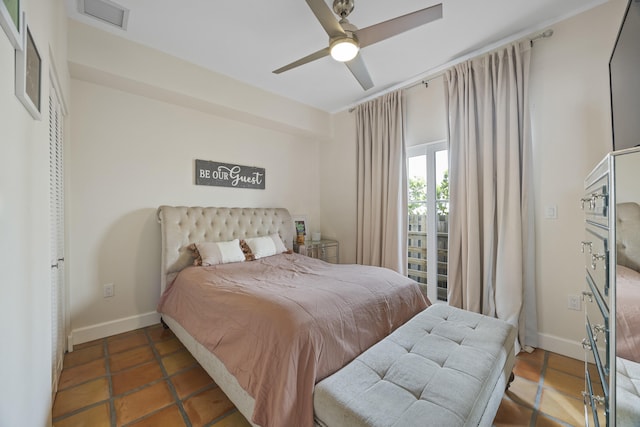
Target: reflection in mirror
(627,290)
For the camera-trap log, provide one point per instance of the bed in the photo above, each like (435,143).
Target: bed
(268,330)
(627,313)
(628,281)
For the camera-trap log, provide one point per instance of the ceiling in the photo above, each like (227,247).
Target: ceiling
(247,40)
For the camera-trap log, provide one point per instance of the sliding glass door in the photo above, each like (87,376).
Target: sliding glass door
(428,179)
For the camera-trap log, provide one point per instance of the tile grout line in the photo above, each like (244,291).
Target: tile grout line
(536,404)
(157,357)
(79,410)
(178,400)
(108,375)
(110,400)
(86,407)
(107,367)
(221,417)
(166,376)
(537,409)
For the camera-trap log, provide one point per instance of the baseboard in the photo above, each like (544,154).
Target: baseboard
(113,327)
(561,346)
(548,342)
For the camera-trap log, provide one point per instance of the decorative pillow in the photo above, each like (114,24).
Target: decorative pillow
(266,246)
(195,254)
(246,250)
(213,253)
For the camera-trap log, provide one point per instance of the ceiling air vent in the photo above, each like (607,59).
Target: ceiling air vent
(106,11)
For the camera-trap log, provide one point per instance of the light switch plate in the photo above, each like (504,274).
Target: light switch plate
(108,290)
(551,212)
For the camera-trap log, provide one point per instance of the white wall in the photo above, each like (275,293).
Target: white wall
(133,147)
(25,306)
(338,190)
(571,133)
(571,129)
(104,58)
(425,111)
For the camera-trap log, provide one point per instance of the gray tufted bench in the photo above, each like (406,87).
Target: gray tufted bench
(444,367)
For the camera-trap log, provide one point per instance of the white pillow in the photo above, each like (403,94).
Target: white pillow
(213,253)
(266,246)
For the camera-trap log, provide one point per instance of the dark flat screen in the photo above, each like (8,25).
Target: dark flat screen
(624,69)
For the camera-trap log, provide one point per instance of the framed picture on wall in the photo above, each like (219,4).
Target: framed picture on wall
(29,73)
(11,21)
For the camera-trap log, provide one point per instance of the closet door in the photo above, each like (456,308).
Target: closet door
(56,213)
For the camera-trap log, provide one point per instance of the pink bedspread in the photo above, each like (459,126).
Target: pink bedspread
(280,324)
(627,313)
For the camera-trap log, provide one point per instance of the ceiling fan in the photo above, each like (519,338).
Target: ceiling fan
(345,39)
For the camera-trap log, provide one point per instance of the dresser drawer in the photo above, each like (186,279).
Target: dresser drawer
(594,299)
(597,384)
(597,340)
(595,202)
(596,408)
(596,257)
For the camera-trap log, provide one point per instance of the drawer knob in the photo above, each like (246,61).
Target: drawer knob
(592,200)
(595,258)
(596,196)
(586,396)
(599,328)
(587,244)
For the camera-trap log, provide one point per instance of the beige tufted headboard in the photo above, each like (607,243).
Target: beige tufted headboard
(182,226)
(628,235)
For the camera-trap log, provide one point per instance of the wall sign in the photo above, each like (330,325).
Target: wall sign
(229,175)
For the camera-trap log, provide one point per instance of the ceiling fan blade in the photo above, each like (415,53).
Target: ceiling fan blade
(316,55)
(326,18)
(384,30)
(359,71)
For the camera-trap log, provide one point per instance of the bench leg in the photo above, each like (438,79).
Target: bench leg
(511,378)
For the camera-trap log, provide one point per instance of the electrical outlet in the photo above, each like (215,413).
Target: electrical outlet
(108,290)
(574,303)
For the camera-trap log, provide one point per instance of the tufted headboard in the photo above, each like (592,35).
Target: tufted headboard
(181,226)
(628,235)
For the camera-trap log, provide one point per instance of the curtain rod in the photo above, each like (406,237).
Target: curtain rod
(439,71)
(543,35)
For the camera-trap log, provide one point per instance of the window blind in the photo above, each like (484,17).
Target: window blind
(56,213)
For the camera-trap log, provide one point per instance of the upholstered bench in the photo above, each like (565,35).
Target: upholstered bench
(627,392)
(444,367)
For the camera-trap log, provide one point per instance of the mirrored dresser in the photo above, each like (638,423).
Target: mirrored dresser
(611,294)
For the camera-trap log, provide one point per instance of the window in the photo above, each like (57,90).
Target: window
(428,182)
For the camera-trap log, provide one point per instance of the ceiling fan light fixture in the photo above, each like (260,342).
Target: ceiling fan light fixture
(344,49)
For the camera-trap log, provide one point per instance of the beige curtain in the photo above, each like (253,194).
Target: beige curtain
(491,235)
(382,184)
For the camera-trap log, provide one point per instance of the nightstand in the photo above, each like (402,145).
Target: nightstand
(325,249)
